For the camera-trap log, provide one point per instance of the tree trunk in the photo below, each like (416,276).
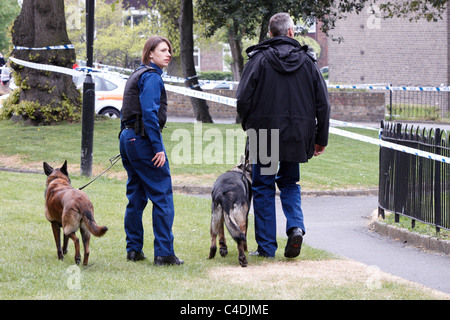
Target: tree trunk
(42,23)
(234,40)
(201,109)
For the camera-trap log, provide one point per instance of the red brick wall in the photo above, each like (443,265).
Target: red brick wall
(346,106)
(211,57)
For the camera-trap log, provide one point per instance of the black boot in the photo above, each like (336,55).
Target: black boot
(135,256)
(167,261)
(294,243)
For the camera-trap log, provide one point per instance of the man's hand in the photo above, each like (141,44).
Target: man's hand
(318,150)
(159,159)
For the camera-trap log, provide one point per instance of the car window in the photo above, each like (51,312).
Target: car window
(98,83)
(108,85)
(101,84)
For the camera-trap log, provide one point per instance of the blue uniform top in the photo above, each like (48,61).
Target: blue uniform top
(150,86)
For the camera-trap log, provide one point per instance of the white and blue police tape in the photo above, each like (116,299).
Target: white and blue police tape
(61,47)
(46,67)
(174,79)
(401,88)
(390,145)
(232,102)
(353,125)
(379,142)
(201,95)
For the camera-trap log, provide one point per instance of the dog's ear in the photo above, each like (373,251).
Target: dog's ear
(63,169)
(47,169)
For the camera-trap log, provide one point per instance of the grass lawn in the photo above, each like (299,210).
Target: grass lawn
(346,163)
(29,268)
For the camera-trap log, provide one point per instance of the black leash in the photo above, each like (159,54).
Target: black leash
(113,161)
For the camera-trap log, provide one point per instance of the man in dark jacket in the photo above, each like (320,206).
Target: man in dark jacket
(282,100)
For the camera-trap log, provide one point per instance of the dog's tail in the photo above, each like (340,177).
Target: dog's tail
(233,225)
(93,227)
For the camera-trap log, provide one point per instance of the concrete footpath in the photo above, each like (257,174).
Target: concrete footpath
(340,225)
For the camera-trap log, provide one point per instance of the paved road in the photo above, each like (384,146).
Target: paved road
(339,225)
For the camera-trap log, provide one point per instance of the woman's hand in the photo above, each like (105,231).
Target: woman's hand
(159,159)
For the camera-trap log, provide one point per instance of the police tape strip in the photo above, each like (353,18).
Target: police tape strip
(46,67)
(354,125)
(201,95)
(61,47)
(369,87)
(390,145)
(175,79)
(379,142)
(201,81)
(232,102)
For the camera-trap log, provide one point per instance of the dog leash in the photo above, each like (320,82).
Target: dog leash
(113,161)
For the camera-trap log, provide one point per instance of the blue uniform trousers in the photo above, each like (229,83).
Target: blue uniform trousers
(146,181)
(263,187)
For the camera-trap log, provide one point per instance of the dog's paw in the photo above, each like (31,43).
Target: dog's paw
(243,261)
(212,252)
(223,251)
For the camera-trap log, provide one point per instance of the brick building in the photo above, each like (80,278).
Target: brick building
(397,51)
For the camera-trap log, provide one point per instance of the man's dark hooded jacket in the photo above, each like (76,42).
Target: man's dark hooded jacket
(282,88)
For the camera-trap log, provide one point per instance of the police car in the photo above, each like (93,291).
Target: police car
(109,89)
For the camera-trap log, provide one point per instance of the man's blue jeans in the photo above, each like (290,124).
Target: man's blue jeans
(263,187)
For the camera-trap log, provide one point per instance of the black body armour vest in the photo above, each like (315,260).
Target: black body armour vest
(131,106)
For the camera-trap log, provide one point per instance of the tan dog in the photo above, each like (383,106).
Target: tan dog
(70,209)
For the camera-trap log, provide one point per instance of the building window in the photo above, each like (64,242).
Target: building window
(226,57)
(197,58)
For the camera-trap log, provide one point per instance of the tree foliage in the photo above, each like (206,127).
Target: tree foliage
(430,10)
(116,42)
(254,15)
(10,10)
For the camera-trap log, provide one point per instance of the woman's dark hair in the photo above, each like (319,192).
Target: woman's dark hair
(150,46)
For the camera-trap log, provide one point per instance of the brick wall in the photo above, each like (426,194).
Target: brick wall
(211,57)
(180,105)
(345,106)
(357,106)
(390,51)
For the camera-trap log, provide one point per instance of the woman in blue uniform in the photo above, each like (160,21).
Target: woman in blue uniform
(144,157)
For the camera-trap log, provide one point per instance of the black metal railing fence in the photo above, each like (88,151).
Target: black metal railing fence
(413,185)
(417,105)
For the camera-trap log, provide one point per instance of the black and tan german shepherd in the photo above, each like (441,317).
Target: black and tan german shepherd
(70,209)
(231,198)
